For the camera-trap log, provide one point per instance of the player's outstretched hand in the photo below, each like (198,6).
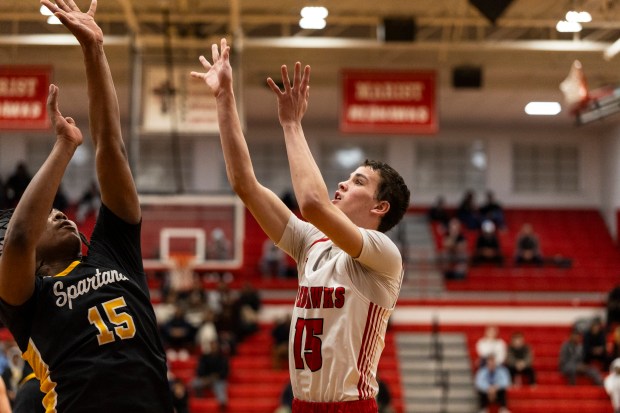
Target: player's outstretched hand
(82,25)
(293,101)
(64,126)
(218,75)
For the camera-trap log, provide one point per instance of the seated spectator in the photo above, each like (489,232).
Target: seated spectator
(219,247)
(279,349)
(180,397)
(595,344)
(438,212)
(467,212)
(247,305)
(178,335)
(527,247)
(492,381)
(571,362)
(286,399)
(384,397)
(17,183)
(212,373)
(491,345)
(519,360)
(488,249)
(207,332)
(493,211)
(613,308)
(454,253)
(272,261)
(613,351)
(612,385)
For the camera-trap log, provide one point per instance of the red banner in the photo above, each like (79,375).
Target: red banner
(391,102)
(23,95)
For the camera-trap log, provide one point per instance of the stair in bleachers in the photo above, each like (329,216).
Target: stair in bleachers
(423,357)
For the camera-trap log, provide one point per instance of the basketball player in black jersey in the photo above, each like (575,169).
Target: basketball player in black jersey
(85,324)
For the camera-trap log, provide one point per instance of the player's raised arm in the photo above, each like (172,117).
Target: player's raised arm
(270,212)
(32,217)
(310,189)
(118,191)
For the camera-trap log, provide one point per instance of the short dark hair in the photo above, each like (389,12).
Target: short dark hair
(392,188)
(5,217)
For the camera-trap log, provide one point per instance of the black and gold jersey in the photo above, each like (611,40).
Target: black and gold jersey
(90,332)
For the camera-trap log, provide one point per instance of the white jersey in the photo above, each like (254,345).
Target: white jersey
(341,313)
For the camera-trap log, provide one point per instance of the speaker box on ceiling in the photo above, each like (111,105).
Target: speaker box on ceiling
(467,77)
(399,29)
(491,9)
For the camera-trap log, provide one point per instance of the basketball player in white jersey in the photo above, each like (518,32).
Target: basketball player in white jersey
(350,272)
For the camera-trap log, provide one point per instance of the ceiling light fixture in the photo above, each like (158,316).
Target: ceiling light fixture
(564,26)
(578,16)
(313,17)
(543,108)
(45,11)
(53,20)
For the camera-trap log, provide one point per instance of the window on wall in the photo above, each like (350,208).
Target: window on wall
(545,168)
(338,160)
(271,165)
(443,167)
(79,173)
(158,171)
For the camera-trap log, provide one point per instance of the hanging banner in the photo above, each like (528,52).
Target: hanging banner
(185,105)
(23,96)
(388,102)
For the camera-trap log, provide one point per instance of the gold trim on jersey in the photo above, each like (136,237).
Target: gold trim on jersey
(68,269)
(27,379)
(42,372)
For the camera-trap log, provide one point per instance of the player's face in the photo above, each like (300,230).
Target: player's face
(356,195)
(60,238)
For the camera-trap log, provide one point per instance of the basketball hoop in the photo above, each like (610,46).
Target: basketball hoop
(181,269)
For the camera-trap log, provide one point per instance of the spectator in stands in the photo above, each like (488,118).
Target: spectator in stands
(467,212)
(612,385)
(571,362)
(212,373)
(180,396)
(272,260)
(519,360)
(595,344)
(613,351)
(219,247)
(178,334)
(492,380)
(491,345)
(493,211)
(207,332)
(247,306)
(527,247)
(384,397)
(613,308)
(279,336)
(286,399)
(61,202)
(195,300)
(488,249)
(454,253)
(17,183)
(438,212)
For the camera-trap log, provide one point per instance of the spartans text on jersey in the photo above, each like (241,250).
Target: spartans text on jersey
(84,286)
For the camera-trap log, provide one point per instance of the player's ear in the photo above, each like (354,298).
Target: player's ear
(382,207)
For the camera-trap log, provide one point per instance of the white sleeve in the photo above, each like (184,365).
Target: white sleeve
(380,254)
